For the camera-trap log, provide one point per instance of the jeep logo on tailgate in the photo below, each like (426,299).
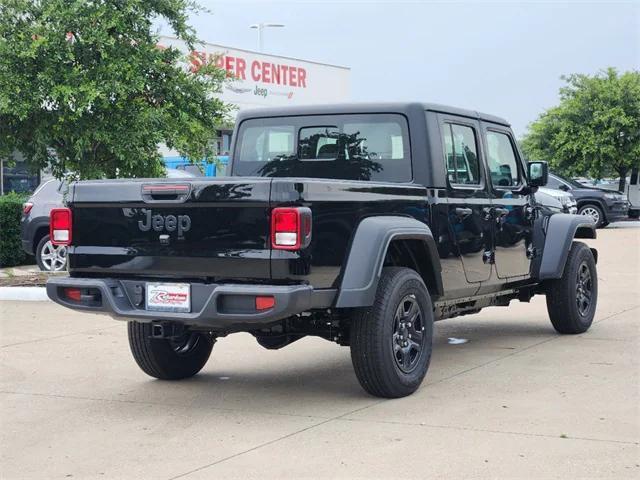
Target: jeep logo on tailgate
(170,223)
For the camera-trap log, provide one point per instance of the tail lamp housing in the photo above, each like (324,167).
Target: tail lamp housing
(26,208)
(290,228)
(60,223)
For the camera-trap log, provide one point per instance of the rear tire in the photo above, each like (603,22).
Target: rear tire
(572,299)
(169,359)
(391,342)
(50,257)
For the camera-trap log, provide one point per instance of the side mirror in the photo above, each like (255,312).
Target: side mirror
(538,174)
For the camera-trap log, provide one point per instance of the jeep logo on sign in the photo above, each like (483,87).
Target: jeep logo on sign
(170,223)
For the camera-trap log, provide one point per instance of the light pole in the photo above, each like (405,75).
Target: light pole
(262,26)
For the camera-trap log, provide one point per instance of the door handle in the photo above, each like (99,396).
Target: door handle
(463,212)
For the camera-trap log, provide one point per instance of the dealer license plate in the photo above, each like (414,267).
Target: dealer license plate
(168,297)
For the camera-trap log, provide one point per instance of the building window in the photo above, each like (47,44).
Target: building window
(17,178)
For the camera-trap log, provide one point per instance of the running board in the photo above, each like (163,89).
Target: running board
(473,304)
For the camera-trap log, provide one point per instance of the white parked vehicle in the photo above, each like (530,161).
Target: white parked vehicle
(633,193)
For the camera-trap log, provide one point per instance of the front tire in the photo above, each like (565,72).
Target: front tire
(166,359)
(391,342)
(594,212)
(572,299)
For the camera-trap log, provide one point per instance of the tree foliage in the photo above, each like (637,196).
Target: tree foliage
(85,88)
(595,130)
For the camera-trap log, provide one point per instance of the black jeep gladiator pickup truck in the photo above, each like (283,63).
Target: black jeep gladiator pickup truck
(361,224)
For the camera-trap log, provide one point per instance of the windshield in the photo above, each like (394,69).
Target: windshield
(349,147)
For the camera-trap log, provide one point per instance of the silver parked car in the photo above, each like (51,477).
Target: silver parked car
(557,199)
(35,226)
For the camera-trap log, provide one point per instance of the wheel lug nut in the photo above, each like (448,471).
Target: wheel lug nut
(409,324)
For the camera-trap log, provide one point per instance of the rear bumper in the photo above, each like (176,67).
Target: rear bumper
(219,307)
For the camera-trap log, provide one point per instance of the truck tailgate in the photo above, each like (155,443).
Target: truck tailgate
(215,228)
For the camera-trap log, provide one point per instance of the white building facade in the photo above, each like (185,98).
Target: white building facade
(262,80)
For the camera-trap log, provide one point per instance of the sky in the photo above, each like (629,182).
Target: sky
(503,58)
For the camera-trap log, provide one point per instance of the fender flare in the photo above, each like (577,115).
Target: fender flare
(561,231)
(32,228)
(366,257)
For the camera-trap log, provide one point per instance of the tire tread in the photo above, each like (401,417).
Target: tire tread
(560,295)
(367,334)
(158,360)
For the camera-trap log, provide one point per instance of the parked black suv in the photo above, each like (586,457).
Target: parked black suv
(361,224)
(604,206)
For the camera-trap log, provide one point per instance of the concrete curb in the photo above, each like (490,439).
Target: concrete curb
(25,294)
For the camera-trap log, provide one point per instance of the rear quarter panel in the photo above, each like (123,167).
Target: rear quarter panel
(337,206)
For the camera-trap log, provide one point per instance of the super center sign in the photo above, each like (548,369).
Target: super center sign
(259,71)
(256,79)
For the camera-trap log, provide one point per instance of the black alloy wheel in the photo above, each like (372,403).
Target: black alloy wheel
(408,334)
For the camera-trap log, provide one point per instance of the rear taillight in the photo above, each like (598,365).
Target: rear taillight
(60,226)
(26,208)
(290,228)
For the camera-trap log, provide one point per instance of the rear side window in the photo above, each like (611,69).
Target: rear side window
(554,183)
(461,154)
(267,144)
(502,160)
(350,147)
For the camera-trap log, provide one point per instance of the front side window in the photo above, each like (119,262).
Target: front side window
(461,154)
(349,147)
(502,160)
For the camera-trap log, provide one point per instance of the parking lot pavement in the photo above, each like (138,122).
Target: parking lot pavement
(515,400)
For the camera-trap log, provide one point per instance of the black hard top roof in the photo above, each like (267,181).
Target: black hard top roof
(368,107)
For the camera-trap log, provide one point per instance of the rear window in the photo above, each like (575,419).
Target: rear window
(349,147)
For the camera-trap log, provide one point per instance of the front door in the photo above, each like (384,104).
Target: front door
(468,197)
(510,208)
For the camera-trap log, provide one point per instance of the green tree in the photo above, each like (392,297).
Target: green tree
(84,87)
(595,130)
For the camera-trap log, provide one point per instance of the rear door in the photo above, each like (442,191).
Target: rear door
(468,197)
(510,214)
